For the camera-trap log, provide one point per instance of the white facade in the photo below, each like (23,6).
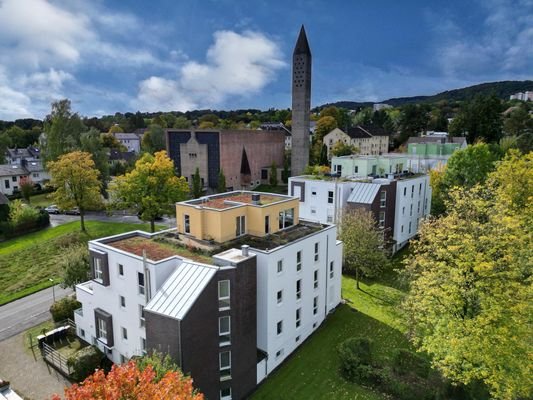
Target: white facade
(129,140)
(10,176)
(324,199)
(108,298)
(413,203)
(327,292)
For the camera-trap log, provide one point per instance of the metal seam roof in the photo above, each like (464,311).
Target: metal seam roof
(364,193)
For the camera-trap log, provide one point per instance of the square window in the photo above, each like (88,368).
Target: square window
(279,327)
(225,394)
(280,296)
(280,266)
(313,210)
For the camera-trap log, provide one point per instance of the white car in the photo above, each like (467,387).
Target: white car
(53,209)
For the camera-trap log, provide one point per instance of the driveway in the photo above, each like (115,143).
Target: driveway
(29,375)
(22,314)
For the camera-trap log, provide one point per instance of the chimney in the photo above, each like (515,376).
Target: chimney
(256,199)
(244,249)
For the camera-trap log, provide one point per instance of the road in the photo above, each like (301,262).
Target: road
(22,314)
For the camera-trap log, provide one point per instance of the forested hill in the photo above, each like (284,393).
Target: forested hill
(501,89)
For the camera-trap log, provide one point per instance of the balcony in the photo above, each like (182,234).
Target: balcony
(86,287)
(79,312)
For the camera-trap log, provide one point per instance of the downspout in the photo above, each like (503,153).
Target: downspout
(327,273)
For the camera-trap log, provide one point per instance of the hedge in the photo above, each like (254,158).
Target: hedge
(84,362)
(64,308)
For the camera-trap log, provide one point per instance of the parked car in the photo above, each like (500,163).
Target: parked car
(73,211)
(53,209)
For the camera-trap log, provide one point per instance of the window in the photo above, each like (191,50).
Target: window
(122,301)
(405,191)
(143,345)
(14,178)
(299,261)
(124,333)
(298,289)
(98,272)
(315,305)
(420,189)
(356,169)
(330,197)
(225,394)
(329,218)
(140,280)
(316,251)
(224,362)
(82,332)
(141,315)
(121,270)
(6,182)
(279,353)
(331,269)
(315,279)
(383,199)
(279,327)
(298,317)
(412,190)
(123,359)
(382,219)
(187,223)
(403,210)
(240,223)
(297,339)
(267,224)
(102,329)
(418,208)
(313,210)
(286,218)
(224,330)
(402,229)
(280,296)
(35,175)
(223,295)
(409,226)
(280,266)
(411,211)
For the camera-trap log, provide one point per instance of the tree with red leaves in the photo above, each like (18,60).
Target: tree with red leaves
(127,381)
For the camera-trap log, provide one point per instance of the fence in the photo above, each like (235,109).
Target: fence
(55,358)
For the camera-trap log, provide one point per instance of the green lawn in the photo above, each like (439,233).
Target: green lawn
(313,371)
(272,189)
(27,262)
(41,200)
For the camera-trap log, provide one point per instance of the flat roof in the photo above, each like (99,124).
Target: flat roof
(232,199)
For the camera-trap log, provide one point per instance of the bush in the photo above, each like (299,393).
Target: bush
(22,214)
(405,362)
(64,308)
(84,362)
(355,356)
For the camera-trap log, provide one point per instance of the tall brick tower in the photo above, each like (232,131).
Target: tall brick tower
(301,104)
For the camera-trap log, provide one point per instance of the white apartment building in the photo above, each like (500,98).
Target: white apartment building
(214,310)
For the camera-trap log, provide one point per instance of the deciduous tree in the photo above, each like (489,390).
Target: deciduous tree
(364,247)
(75,265)
(469,305)
(127,381)
(221,188)
(343,149)
(197,189)
(26,188)
(76,178)
(151,188)
(154,139)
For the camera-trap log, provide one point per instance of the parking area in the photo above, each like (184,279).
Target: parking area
(29,375)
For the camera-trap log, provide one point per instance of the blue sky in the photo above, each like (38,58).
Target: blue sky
(109,56)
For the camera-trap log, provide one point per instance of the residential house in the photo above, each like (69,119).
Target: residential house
(131,141)
(363,166)
(16,155)
(37,173)
(229,294)
(428,152)
(10,176)
(369,140)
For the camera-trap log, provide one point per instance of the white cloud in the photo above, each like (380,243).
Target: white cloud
(503,46)
(236,65)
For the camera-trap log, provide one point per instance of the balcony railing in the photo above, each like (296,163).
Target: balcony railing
(79,311)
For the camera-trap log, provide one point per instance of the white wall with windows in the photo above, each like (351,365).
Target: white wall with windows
(124,299)
(413,204)
(293,300)
(321,203)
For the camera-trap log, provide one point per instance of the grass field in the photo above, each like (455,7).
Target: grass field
(272,189)
(41,200)
(313,371)
(27,262)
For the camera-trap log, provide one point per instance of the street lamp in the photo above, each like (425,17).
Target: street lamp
(53,289)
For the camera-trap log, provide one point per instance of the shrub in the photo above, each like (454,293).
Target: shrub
(22,214)
(64,309)
(355,356)
(84,362)
(405,362)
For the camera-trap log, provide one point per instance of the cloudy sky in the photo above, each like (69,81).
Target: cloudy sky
(109,56)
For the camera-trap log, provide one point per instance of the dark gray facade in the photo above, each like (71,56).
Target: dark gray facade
(301,104)
(194,342)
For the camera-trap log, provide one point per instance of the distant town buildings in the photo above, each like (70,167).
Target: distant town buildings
(229,294)
(368,139)
(301,104)
(524,96)
(245,156)
(21,164)
(380,106)
(427,152)
(131,141)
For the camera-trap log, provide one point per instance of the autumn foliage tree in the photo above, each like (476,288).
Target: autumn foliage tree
(151,188)
(127,381)
(469,305)
(76,178)
(26,188)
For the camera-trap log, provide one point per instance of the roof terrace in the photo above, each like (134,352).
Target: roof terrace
(237,198)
